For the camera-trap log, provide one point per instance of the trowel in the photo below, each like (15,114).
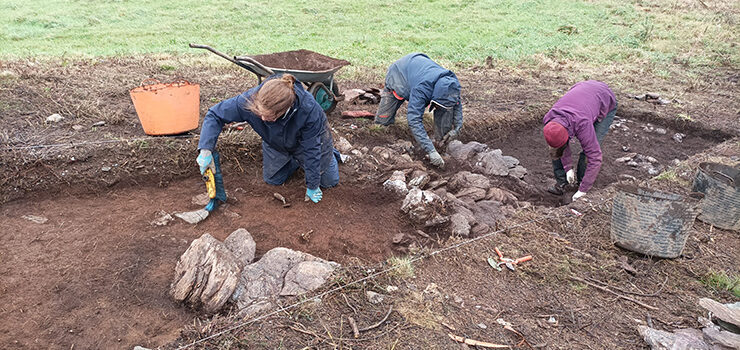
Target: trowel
(215,186)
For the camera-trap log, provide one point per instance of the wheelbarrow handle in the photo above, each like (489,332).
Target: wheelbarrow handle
(206,47)
(254,62)
(227,57)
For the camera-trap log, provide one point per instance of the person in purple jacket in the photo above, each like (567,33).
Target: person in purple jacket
(585,112)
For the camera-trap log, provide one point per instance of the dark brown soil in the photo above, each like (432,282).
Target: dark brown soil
(99,269)
(300,60)
(528,145)
(96,275)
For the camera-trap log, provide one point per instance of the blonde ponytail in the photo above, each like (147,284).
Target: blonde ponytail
(274,98)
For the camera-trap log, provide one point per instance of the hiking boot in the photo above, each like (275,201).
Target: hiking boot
(556,189)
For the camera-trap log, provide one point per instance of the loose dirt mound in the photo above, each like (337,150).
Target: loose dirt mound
(300,60)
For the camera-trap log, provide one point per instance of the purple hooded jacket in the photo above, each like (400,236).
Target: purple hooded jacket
(584,104)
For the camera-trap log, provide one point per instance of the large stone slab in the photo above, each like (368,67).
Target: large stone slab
(423,206)
(241,243)
(206,275)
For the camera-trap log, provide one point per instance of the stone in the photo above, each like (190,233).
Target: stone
(396,183)
(193,217)
(652,96)
(680,339)
(625,148)
(462,152)
(518,172)
(374,298)
(206,275)
(624,159)
(466,179)
(105,169)
(162,219)
(241,243)
(501,195)
(77,127)
(627,177)
(678,137)
(36,219)
(661,131)
(305,277)
(435,221)
(653,171)
(436,184)
(419,178)
(459,225)
(471,194)
(491,163)
(480,229)
(200,200)
(402,147)
(391,289)
(664,101)
(511,161)
(632,163)
(487,212)
(650,159)
(140,348)
(729,313)
(343,146)
(262,282)
(422,206)
(54,118)
(482,325)
(100,123)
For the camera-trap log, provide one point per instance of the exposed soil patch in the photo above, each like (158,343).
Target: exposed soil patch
(98,271)
(633,136)
(300,60)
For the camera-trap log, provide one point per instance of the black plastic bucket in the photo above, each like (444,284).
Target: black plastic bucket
(721,187)
(652,222)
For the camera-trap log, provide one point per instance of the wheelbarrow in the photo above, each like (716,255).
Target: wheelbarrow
(319,83)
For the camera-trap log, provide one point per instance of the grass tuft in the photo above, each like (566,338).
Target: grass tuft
(721,281)
(403,268)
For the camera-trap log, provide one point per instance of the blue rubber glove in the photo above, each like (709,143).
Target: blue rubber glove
(314,195)
(205,161)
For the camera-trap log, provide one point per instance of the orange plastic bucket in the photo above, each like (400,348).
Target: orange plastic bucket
(167,109)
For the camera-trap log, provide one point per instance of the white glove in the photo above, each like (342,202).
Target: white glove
(571,176)
(436,159)
(578,194)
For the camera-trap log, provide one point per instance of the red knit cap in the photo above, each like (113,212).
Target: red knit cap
(555,134)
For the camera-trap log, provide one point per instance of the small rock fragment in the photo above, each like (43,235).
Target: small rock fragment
(163,218)
(343,146)
(459,225)
(518,172)
(652,96)
(105,169)
(77,127)
(627,177)
(100,123)
(678,137)
(35,219)
(396,183)
(482,325)
(54,118)
(661,131)
(374,298)
(193,217)
(391,289)
(625,148)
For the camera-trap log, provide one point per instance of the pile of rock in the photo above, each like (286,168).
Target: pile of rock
(211,274)
(486,161)
(721,330)
(639,161)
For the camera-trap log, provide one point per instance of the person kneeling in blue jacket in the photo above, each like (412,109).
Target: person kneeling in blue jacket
(422,82)
(294,130)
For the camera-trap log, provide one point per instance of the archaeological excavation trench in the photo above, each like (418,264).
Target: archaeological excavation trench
(95,272)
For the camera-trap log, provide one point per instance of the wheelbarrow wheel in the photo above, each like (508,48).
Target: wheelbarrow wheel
(326,98)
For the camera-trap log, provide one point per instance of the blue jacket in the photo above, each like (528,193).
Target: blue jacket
(419,80)
(299,132)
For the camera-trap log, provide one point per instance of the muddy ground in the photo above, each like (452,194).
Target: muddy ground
(96,274)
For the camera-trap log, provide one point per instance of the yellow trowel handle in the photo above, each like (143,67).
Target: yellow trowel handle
(210,181)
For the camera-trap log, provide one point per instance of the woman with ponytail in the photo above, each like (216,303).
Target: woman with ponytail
(293,128)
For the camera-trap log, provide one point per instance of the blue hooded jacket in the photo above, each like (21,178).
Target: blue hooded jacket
(299,132)
(419,80)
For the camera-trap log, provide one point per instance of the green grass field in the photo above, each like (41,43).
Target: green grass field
(372,33)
